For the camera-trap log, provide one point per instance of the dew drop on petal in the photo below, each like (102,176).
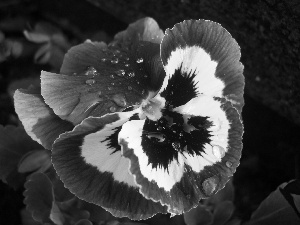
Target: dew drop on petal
(91,71)
(120,73)
(114,61)
(120,100)
(176,145)
(90,81)
(139,60)
(109,88)
(228,164)
(157,136)
(131,74)
(209,185)
(127,58)
(112,83)
(112,76)
(129,88)
(103,60)
(112,109)
(218,151)
(127,65)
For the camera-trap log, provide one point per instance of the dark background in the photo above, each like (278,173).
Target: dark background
(269,35)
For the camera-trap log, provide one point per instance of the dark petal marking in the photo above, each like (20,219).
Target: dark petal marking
(219,44)
(180,89)
(192,186)
(90,182)
(38,119)
(163,140)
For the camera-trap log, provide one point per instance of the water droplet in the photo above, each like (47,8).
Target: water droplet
(158,136)
(129,88)
(228,164)
(112,76)
(91,71)
(209,185)
(112,109)
(176,145)
(103,60)
(145,75)
(181,134)
(139,60)
(90,81)
(114,61)
(138,82)
(143,91)
(159,128)
(109,88)
(131,74)
(127,58)
(218,151)
(112,83)
(120,73)
(120,100)
(127,65)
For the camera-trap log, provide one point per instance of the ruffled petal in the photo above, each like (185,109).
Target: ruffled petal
(145,29)
(89,162)
(96,80)
(201,58)
(39,121)
(187,155)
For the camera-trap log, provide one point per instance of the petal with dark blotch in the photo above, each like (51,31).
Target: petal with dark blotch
(96,80)
(89,162)
(39,121)
(145,29)
(205,58)
(187,155)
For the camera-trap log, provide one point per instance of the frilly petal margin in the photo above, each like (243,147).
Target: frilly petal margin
(39,121)
(145,29)
(89,162)
(96,80)
(207,50)
(187,179)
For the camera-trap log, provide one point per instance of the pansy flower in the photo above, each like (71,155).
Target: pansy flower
(149,124)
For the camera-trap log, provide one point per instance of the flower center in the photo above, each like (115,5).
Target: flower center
(152,108)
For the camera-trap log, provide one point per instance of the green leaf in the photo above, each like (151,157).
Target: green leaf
(37,160)
(14,144)
(223,212)
(40,200)
(198,216)
(276,209)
